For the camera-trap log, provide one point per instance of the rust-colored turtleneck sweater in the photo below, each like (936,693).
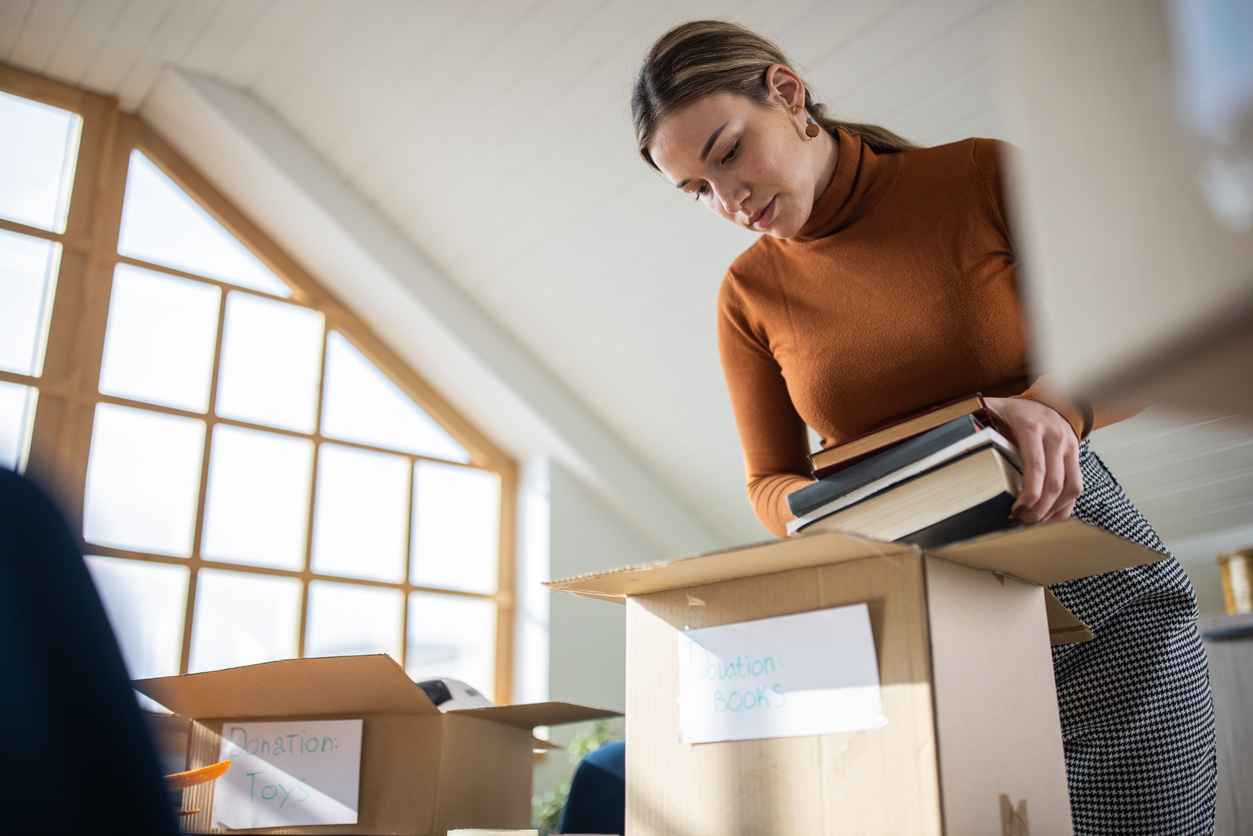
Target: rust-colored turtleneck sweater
(899,293)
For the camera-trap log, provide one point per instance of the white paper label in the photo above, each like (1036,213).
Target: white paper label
(811,673)
(289,774)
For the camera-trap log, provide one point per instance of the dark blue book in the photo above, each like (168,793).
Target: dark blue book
(882,465)
(984,518)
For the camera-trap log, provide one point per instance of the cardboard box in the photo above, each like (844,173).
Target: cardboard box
(422,772)
(973,741)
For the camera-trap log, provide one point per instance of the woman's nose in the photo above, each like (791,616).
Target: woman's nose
(731,196)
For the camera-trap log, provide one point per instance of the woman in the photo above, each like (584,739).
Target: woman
(886,283)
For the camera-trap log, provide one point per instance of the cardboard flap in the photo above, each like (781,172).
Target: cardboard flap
(1064,626)
(1050,552)
(530,715)
(293,687)
(729,564)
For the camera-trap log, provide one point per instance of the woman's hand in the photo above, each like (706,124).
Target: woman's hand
(1051,480)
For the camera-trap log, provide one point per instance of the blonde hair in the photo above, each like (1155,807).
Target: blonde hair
(703,57)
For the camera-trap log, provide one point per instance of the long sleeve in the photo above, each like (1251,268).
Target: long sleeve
(772,434)
(1083,416)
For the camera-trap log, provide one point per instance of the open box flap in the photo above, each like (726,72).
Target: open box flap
(728,564)
(333,685)
(1064,626)
(1044,554)
(293,687)
(530,715)
(1050,552)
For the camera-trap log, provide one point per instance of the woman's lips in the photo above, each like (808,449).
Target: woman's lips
(763,218)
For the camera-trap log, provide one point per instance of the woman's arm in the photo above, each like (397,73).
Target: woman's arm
(772,434)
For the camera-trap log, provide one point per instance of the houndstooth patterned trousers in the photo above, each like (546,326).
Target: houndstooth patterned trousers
(1137,718)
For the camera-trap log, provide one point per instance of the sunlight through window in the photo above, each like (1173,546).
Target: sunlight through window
(243,619)
(146,604)
(162,224)
(161,339)
(350,620)
(271,363)
(359,521)
(363,405)
(143,480)
(257,508)
(38,152)
(28,270)
(254,484)
(452,636)
(17,408)
(456,538)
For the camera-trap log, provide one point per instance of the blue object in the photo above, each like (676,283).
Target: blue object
(78,757)
(597,800)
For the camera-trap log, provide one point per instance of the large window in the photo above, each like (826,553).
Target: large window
(255,475)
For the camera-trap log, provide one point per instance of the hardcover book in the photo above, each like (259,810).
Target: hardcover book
(963,498)
(845,454)
(897,463)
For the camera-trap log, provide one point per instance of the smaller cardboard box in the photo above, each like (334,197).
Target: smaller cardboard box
(422,772)
(972,741)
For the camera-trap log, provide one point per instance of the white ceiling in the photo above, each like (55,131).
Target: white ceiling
(495,135)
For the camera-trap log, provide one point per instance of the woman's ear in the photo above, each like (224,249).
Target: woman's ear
(785,87)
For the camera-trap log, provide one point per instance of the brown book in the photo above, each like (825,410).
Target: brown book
(833,459)
(975,492)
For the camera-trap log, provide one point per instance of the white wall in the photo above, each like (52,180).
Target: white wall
(1199,557)
(587,639)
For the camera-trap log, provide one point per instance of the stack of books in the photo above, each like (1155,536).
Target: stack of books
(936,478)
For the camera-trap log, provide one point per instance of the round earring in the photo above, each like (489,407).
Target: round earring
(811,128)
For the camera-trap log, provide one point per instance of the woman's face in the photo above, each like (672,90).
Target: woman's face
(747,162)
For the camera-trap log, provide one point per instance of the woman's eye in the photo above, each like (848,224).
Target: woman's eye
(702,191)
(731,154)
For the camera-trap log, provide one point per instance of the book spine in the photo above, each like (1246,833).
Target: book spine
(1008,454)
(822,471)
(880,464)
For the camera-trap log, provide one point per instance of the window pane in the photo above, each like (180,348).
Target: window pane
(349,620)
(361,514)
(271,363)
(143,480)
(257,506)
(17,409)
(163,224)
(363,405)
(38,149)
(452,636)
(160,341)
(146,603)
(456,527)
(28,270)
(243,619)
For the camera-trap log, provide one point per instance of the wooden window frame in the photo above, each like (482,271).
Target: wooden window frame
(60,439)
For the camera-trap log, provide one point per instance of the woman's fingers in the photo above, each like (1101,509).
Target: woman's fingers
(1054,478)
(1064,512)
(1073,485)
(1043,474)
(1051,479)
(1034,462)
